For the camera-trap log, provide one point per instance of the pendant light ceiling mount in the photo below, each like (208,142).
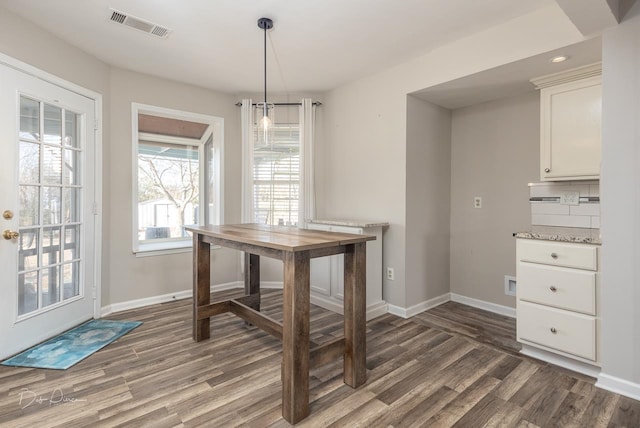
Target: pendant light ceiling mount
(265,24)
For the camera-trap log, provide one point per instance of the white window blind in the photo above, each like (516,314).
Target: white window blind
(276,176)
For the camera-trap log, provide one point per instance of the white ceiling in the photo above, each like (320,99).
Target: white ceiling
(510,79)
(319,44)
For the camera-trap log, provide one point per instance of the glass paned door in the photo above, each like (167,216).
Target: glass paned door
(50,192)
(47,249)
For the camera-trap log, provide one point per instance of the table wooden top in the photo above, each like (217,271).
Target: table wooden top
(279,237)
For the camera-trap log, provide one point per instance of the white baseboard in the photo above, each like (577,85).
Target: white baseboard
(373,311)
(482,304)
(420,307)
(619,386)
(559,360)
(179,295)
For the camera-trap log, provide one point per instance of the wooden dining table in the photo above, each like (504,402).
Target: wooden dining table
(295,247)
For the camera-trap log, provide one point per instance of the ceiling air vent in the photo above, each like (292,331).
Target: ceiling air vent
(139,24)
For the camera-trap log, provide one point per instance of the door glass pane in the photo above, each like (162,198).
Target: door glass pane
(71,243)
(28,249)
(51,246)
(71,275)
(50,290)
(71,205)
(29,205)
(27,292)
(51,208)
(71,170)
(71,129)
(29,118)
(52,124)
(29,167)
(52,165)
(49,258)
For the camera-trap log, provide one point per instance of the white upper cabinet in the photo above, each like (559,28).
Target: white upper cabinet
(570,124)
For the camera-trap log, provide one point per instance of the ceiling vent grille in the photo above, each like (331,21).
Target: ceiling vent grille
(139,24)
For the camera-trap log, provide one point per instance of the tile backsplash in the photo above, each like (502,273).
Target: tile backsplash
(548,210)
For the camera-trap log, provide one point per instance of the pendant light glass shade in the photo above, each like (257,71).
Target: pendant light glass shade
(265,115)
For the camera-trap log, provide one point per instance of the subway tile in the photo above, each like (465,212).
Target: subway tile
(549,208)
(585,209)
(595,222)
(555,189)
(560,220)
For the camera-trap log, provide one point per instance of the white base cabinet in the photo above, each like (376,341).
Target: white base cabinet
(557,298)
(327,273)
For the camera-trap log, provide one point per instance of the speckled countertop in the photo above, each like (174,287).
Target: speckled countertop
(350,223)
(562,234)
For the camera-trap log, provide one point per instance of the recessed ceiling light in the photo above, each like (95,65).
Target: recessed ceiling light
(559,58)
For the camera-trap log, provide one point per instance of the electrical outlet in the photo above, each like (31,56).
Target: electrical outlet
(570,198)
(390,274)
(477,202)
(510,285)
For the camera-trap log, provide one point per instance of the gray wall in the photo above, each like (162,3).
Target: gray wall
(428,200)
(620,210)
(365,153)
(26,42)
(495,153)
(132,277)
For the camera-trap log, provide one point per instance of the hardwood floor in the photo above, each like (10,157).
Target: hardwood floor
(451,366)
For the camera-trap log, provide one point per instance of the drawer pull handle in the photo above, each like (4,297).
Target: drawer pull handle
(553,288)
(554,255)
(553,330)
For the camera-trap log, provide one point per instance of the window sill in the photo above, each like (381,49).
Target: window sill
(163,248)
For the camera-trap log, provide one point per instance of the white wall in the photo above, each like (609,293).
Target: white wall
(495,153)
(428,200)
(620,210)
(135,278)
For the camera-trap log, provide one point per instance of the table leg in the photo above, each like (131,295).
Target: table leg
(295,337)
(201,286)
(252,279)
(355,305)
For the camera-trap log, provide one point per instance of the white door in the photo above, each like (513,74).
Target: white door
(47,249)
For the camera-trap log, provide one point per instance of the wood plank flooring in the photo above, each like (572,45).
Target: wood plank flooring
(451,366)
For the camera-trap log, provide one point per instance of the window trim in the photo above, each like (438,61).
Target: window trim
(216,133)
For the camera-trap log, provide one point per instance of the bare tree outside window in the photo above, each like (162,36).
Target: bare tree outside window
(167,173)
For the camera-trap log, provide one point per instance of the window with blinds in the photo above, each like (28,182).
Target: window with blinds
(276,176)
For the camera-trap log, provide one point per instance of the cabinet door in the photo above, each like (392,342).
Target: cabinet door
(571,117)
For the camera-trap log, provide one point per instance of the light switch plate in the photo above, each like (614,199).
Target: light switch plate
(570,198)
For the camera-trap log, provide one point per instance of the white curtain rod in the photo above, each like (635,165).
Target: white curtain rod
(315,103)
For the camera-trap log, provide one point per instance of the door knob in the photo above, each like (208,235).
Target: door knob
(547,170)
(10,234)
(8,215)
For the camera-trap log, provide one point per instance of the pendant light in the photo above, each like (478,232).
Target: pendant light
(265,124)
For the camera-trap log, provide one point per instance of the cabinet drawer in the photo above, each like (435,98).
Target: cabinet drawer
(563,288)
(580,256)
(565,331)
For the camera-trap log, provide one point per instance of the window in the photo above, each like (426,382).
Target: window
(276,177)
(277,172)
(177,170)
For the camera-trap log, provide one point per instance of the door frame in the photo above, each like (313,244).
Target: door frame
(25,68)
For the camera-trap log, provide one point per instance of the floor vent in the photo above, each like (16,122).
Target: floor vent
(139,24)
